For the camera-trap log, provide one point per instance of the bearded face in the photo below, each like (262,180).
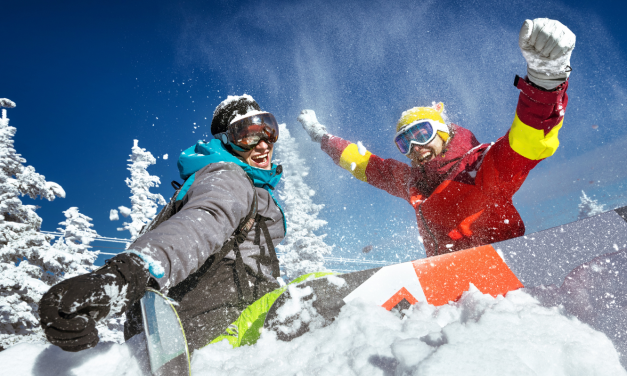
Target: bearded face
(424,153)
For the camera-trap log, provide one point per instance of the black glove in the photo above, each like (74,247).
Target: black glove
(70,309)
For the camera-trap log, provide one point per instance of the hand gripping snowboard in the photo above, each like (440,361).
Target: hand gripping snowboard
(165,338)
(542,258)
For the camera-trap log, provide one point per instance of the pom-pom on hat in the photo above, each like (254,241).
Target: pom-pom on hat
(231,107)
(420,113)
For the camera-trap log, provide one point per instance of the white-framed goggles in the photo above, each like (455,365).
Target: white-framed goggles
(420,132)
(245,133)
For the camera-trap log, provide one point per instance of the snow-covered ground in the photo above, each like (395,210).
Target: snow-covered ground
(477,335)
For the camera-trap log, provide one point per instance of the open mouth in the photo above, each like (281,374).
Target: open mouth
(261,159)
(425,156)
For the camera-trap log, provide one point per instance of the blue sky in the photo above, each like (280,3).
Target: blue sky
(88,78)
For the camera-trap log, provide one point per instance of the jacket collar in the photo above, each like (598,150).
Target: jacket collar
(203,153)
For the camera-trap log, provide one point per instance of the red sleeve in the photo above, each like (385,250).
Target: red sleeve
(504,170)
(333,146)
(539,108)
(388,174)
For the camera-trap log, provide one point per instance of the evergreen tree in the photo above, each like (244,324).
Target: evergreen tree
(589,207)
(143,202)
(302,250)
(76,235)
(27,268)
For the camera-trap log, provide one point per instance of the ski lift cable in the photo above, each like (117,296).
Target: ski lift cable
(96,238)
(358,261)
(341,260)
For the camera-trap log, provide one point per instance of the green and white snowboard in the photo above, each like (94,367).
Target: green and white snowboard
(165,337)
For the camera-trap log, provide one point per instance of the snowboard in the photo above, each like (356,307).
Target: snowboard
(165,337)
(541,258)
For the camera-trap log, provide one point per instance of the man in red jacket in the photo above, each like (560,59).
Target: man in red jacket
(460,189)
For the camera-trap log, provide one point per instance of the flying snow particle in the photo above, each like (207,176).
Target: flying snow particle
(361,148)
(165,156)
(338,282)
(113,215)
(500,253)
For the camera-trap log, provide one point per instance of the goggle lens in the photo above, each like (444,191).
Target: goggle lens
(249,131)
(420,133)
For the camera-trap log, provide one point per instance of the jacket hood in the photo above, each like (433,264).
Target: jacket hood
(203,153)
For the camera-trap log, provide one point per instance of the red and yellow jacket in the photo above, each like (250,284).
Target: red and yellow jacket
(463,197)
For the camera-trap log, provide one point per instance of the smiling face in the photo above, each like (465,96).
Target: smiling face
(424,153)
(260,156)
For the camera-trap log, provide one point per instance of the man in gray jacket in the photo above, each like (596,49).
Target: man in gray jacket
(215,252)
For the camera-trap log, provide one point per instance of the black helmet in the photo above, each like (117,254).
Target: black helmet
(229,109)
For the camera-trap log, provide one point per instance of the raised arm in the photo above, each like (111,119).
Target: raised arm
(547,46)
(388,174)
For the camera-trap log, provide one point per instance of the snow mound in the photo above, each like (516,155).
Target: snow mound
(478,335)
(40,359)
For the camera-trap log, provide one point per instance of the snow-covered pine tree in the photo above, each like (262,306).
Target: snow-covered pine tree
(76,235)
(302,250)
(27,268)
(143,202)
(589,207)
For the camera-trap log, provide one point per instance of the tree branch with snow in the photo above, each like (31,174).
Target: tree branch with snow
(28,267)
(143,203)
(589,207)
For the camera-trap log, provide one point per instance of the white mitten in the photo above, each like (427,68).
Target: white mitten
(316,130)
(546,45)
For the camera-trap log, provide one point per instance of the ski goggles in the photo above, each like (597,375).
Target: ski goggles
(420,132)
(247,132)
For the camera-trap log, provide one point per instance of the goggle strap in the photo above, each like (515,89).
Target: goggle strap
(248,116)
(237,148)
(222,137)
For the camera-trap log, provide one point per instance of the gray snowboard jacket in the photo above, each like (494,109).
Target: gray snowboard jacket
(215,199)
